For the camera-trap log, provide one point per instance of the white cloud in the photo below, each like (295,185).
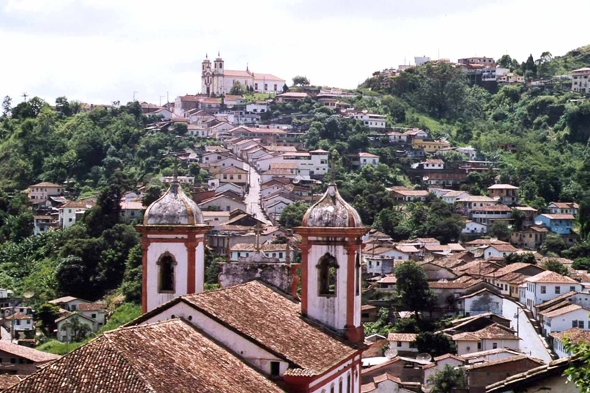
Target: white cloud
(102,50)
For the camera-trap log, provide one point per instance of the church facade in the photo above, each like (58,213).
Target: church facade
(216,80)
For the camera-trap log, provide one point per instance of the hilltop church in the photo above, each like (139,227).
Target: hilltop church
(219,81)
(250,337)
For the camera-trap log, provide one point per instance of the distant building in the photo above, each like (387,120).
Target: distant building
(506,193)
(561,224)
(580,80)
(20,360)
(71,211)
(45,190)
(487,62)
(218,81)
(421,60)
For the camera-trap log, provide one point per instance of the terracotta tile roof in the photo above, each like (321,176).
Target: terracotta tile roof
(402,337)
(494,208)
(551,277)
(559,216)
(64,299)
(454,284)
(503,361)
(386,377)
(502,187)
(492,332)
(564,205)
(416,193)
(512,268)
(18,316)
(77,205)
(407,249)
(170,356)
(476,198)
(388,280)
(574,334)
(479,293)
(563,310)
(449,355)
(555,300)
(92,306)
(272,321)
(504,247)
(468,356)
(27,353)
(46,184)
(368,387)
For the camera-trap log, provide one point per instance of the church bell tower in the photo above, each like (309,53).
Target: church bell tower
(218,80)
(173,244)
(206,77)
(331,249)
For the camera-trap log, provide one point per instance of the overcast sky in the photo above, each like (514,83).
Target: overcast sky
(99,51)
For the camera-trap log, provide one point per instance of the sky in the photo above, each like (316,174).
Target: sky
(99,51)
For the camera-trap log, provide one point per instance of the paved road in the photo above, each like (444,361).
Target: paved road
(531,343)
(253,197)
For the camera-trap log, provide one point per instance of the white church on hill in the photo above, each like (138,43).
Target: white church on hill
(218,80)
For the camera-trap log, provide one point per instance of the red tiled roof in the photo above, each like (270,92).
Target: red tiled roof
(271,320)
(169,356)
(92,306)
(27,353)
(551,277)
(402,337)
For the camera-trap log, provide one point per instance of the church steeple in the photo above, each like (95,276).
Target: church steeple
(331,245)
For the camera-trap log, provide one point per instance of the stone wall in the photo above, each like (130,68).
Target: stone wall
(279,275)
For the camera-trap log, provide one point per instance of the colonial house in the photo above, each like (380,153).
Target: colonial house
(531,238)
(223,202)
(407,195)
(470,202)
(492,337)
(489,214)
(561,224)
(546,286)
(576,335)
(280,252)
(45,190)
(71,211)
(482,301)
(234,175)
(21,360)
(563,208)
(402,342)
(507,194)
(499,251)
(452,196)
(567,317)
(68,303)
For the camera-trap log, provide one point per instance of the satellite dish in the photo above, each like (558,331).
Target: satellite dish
(28,294)
(390,353)
(424,357)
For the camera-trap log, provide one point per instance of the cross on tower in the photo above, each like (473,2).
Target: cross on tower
(25,95)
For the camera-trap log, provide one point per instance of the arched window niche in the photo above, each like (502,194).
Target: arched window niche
(327,275)
(166,269)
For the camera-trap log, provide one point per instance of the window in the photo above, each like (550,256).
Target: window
(275,368)
(574,323)
(399,344)
(358,274)
(340,385)
(348,383)
(494,345)
(543,289)
(572,289)
(166,276)
(327,273)
(479,345)
(557,290)
(581,324)
(93,316)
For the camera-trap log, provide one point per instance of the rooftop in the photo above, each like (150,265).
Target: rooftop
(170,356)
(551,277)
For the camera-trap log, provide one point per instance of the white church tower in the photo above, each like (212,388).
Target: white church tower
(218,78)
(331,248)
(173,243)
(206,77)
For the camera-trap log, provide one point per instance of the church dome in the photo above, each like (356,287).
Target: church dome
(173,208)
(332,211)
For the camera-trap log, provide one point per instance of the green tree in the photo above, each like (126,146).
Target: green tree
(501,230)
(47,314)
(76,330)
(521,258)
(6,106)
(556,267)
(582,263)
(131,286)
(413,291)
(448,380)
(152,194)
(300,81)
(553,243)
(435,344)
(292,215)
(237,89)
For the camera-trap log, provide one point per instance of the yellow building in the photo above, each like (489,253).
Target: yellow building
(234,175)
(431,145)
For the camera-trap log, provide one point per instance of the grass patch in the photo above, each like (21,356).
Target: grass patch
(125,313)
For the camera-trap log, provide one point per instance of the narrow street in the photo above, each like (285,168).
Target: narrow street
(531,343)
(252,199)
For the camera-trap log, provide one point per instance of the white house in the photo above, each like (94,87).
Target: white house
(45,190)
(576,335)
(278,251)
(70,211)
(64,332)
(96,311)
(438,365)
(402,341)
(469,151)
(368,159)
(431,163)
(488,214)
(216,218)
(481,302)
(472,227)
(257,107)
(19,322)
(499,251)
(572,316)
(563,208)
(230,187)
(452,196)
(492,337)
(546,286)
(68,303)
(222,202)
(132,210)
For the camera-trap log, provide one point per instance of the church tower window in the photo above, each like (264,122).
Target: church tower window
(327,275)
(166,273)
(358,274)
